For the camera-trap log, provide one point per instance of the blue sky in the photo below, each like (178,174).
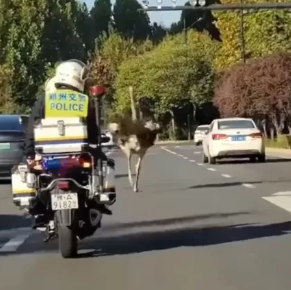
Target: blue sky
(165,18)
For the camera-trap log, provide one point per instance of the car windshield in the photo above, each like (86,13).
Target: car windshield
(10,124)
(235,124)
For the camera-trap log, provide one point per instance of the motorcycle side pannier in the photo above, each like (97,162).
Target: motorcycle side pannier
(57,135)
(23,187)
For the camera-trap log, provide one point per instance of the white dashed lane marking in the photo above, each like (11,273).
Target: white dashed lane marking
(226,175)
(13,244)
(248,185)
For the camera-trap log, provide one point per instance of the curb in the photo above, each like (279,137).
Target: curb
(173,142)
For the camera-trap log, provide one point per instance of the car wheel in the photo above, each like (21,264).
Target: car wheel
(262,158)
(204,158)
(211,160)
(252,159)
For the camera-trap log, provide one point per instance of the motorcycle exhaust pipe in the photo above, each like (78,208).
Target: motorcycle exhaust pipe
(95,217)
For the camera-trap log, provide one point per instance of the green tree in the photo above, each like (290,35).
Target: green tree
(22,48)
(101,17)
(113,52)
(173,74)
(61,38)
(130,22)
(265,32)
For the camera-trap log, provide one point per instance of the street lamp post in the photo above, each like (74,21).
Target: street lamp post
(242,34)
(185,42)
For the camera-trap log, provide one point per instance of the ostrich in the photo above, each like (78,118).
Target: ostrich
(134,137)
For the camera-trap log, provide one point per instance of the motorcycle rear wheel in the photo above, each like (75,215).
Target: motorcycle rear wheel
(67,242)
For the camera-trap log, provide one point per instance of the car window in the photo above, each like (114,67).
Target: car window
(235,124)
(202,128)
(11,125)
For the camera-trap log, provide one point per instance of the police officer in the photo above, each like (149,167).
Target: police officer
(66,100)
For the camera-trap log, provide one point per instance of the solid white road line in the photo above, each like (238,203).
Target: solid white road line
(226,175)
(283,202)
(13,244)
(248,185)
(211,169)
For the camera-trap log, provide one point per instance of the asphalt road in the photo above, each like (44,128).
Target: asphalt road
(193,226)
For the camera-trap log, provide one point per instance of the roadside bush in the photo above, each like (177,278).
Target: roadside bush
(282,141)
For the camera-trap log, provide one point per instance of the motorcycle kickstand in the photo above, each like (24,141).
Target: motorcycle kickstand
(48,235)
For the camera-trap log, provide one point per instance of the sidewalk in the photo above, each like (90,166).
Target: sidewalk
(283,153)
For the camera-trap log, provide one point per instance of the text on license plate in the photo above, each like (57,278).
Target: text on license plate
(64,201)
(238,138)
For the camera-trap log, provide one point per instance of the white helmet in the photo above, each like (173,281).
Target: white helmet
(50,85)
(72,73)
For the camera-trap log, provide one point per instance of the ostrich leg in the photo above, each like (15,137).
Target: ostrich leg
(137,168)
(128,155)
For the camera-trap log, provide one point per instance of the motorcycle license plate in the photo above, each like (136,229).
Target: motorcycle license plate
(64,201)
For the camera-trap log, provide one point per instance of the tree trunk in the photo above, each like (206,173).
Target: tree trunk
(264,126)
(134,111)
(173,125)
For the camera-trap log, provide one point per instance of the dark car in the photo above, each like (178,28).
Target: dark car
(12,135)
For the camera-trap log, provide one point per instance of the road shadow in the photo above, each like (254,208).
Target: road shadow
(124,175)
(238,183)
(187,237)
(158,239)
(247,161)
(116,232)
(174,221)
(9,222)
(5,181)
(224,184)
(278,160)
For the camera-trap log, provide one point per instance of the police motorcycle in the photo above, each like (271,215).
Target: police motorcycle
(73,192)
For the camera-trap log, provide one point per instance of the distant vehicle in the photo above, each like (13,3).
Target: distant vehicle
(200,134)
(12,135)
(233,138)
(108,147)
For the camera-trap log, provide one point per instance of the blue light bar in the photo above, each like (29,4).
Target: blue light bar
(52,164)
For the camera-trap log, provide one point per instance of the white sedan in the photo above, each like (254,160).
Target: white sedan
(200,133)
(233,138)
